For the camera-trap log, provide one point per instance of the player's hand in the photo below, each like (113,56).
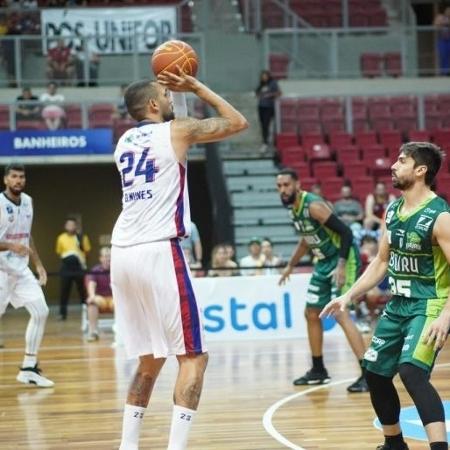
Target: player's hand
(339,275)
(178,83)
(21,250)
(42,275)
(285,275)
(336,306)
(438,331)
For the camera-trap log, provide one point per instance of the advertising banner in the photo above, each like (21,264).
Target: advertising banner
(112,29)
(241,308)
(52,143)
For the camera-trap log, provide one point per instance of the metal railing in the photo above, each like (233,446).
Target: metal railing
(25,58)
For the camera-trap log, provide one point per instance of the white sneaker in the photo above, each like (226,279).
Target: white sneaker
(32,375)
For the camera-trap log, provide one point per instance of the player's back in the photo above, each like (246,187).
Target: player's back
(155,200)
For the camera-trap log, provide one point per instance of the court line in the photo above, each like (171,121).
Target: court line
(268,415)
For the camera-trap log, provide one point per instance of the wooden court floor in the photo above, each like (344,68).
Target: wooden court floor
(243,382)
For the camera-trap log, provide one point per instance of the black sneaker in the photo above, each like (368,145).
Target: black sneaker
(313,377)
(388,447)
(360,385)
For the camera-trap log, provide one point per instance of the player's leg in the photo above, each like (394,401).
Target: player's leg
(28,293)
(81,288)
(65,286)
(186,396)
(93,307)
(137,400)
(381,363)
(318,295)
(416,363)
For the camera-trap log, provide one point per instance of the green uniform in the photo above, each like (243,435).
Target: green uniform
(419,279)
(324,244)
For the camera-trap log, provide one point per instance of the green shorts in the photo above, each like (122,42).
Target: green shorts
(397,338)
(322,289)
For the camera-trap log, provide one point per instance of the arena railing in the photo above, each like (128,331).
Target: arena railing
(126,57)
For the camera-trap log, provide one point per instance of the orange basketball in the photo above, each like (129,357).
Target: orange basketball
(174,53)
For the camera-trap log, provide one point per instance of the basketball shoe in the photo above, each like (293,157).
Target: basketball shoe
(32,375)
(313,377)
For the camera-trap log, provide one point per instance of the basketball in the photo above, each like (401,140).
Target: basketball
(175,53)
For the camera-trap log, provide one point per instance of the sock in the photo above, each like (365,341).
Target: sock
(132,419)
(29,361)
(179,429)
(438,446)
(395,442)
(318,363)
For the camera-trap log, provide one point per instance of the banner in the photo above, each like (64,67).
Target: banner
(112,29)
(243,308)
(60,142)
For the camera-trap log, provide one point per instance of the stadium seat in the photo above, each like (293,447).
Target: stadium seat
(371,153)
(358,19)
(331,109)
(405,124)
(290,155)
(325,170)
(289,126)
(371,64)
(278,65)
(362,186)
(288,109)
(302,169)
(30,125)
(393,64)
(390,139)
(73,116)
(442,138)
(347,154)
(331,189)
(419,135)
(333,126)
(365,139)
(284,140)
(318,152)
(380,167)
(307,182)
(340,139)
(354,169)
(308,110)
(377,17)
(4,117)
(100,115)
(311,139)
(382,124)
(310,127)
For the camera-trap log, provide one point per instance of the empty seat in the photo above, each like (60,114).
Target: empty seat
(302,169)
(381,167)
(333,125)
(348,154)
(393,64)
(366,139)
(325,170)
(310,127)
(284,140)
(293,154)
(377,17)
(382,124)
(311,139)
(288,108)
(100,115)
(4,117)
(331,109)
(73,116)
(278,65)
(390,139)
(371,153)
(30,125)
(371,64)
(318,152)
(419,135)
(340,139)
(362,186)
(354,169)
(331,189)
(308,110)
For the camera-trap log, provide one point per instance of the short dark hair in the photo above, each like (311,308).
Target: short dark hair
(19,167)
(137,95)
(288,171)
(425,154)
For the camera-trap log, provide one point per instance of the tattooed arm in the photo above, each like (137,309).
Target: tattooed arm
(186,132)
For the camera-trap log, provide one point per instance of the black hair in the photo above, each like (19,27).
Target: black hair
(137,96)
(288,171)
(19,167)
(425,154)
(264,83)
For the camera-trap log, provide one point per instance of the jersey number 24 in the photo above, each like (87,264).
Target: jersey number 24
(144,167)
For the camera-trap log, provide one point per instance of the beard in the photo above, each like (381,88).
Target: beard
(168,116)
(16,190)
(402,185)
(289,201)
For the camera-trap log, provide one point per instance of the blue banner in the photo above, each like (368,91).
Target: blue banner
(59,142)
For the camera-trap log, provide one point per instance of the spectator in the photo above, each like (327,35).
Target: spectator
(221,264)
(267,91)
(60,62)
(231,253)
(99,295)
(86,53)
(72,247)
(255,259)
(442,23)
(192,248)
(53,114)
(376,204)
(348,209)
(27,107)
(271,262)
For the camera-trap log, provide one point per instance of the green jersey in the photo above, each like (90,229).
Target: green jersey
(417,267)
(323,242)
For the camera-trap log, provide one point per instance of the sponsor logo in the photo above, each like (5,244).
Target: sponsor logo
(378,341)
(413,241)
(371,355)
(404,264)
(409,337)
(424,222)
(429,211)
(389,216)
(9,209)
(42,142)
(405,348)
(400,234)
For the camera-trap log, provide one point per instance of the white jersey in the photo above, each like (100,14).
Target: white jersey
(155,199)
(15,226)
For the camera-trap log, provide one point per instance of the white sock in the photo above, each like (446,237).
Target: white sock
(132,419)
(29,361)
(179,429)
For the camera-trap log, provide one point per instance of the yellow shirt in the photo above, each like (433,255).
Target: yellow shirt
(68,244)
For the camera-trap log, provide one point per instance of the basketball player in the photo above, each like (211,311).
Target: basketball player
(18,285)
(337,266)
(415,252)
(156,309)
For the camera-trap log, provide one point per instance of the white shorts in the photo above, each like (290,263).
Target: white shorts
(19,289)
(156,310)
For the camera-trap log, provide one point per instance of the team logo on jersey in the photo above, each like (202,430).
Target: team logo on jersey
(371,355)
(429,211)
(413,241)
(389,216)
(400,234)
(9,210)
(424,222)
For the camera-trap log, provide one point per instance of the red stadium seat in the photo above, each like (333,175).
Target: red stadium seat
(288,109)
(359,108)
(432,123)
(325,170)
(340,139)
(331,109)
(393,64)
(405,124)
(358,19)
(30,125)
(348,154)
(419,135)
(311,139)
(331,189)
(302,169)
(289,126)
(4,117)
(382,124)
(310,127)
(377,17)
(371,64)
(318,152)
(308,110)
(362,186)
(390,139)
(100,115)
(371,153)
(307,182)
(73,116)
(360,125)
(333,126)
(354,169)
(442,138)
(366,139)
(278,65)
(381,167)
(291,155)
(284,140)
